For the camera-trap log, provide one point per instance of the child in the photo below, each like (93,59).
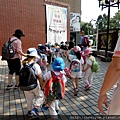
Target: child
(53,52)
(58,66)
(76,67)
(88,74)
(36,95)
(43,64)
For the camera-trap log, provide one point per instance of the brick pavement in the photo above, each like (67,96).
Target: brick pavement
(13,102)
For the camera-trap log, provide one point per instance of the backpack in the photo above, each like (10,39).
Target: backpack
(85,42)
(67,72)
(8,50)
(55,89)
(75,65)
(84,57)
(27,78)
(95,66)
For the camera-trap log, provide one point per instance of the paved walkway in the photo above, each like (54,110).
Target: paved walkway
(13,102)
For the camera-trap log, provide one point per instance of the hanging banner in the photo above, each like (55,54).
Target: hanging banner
(74,21)
(56,24)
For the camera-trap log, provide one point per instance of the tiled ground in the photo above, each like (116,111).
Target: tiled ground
(13,102)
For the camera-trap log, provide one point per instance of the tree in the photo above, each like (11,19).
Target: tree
(87,28)
(102,21)
(115,20)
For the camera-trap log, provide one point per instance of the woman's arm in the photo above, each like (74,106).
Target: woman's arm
(21,53)
(112,75)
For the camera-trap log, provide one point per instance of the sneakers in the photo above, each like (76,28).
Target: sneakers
(57,111)
(87,87)
(35,112)
(75,92)
(29,114)
(9,87)
(16,87)
(76,89)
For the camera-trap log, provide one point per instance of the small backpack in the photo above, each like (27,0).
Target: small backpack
(27,78)
(67,72)
(95,66)
(75,65)
(85,42)
(55,89)
(8,50)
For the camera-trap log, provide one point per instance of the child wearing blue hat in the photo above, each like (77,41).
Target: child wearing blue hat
(58,66)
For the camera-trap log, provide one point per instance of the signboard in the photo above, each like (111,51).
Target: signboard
(112,39)
(56,24)
(74,21)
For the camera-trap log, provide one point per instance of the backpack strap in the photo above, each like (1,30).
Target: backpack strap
(53,75)
(11,41)
(31,66)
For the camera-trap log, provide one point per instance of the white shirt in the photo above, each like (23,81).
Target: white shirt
(88,61)
(117,49)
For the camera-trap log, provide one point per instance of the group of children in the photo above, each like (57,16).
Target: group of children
(36,97)
(78,62)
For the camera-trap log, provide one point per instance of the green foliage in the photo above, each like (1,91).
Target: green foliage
(101,23)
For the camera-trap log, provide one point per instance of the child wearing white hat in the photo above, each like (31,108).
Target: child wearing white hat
(35,96)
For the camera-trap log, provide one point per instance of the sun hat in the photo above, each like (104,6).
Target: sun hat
(32,52)
(87,51)
(58,64)
(76,48)
(18,32)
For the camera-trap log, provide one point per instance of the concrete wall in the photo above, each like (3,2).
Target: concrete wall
(75,5)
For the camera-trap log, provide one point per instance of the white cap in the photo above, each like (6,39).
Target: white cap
(39,44)
(32,52)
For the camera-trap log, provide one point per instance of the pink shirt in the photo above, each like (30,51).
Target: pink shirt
(18,47)
(117,49)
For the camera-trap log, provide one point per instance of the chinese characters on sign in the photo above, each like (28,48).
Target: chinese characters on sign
(56,24)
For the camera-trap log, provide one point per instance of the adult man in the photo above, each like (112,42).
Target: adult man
(14,64)
(112,76)
(84,41)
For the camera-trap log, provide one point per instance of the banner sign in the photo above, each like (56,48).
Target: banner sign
(56,24)
(74,21)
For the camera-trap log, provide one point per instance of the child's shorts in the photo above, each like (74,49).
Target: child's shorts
(75,74)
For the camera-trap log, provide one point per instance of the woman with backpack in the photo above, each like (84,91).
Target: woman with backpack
(14,63)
